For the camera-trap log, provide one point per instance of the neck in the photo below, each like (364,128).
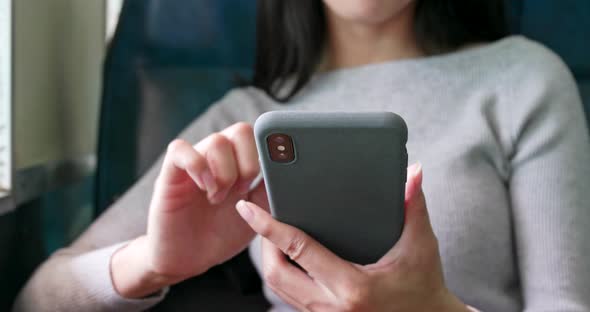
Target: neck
(354,44)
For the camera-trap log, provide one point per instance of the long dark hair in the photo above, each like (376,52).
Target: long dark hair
(291,36)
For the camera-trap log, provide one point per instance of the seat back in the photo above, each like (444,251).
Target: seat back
(168,61)
(563,26)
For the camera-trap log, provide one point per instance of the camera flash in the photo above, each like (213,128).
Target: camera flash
(281,148)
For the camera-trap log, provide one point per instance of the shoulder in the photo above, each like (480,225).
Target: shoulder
(243,104)
(536,90)
(508,66)
(523,74)
(520,66)
(526,88)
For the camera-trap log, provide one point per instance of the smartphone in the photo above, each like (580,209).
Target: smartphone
(340,177)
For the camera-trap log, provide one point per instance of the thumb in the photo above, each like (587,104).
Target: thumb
(417,229)
(417,221)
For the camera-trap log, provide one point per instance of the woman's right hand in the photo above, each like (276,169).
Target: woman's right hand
(192,222)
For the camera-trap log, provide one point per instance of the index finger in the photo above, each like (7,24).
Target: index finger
(242,137)
(319,262)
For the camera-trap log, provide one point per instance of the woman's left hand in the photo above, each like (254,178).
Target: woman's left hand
(408,278)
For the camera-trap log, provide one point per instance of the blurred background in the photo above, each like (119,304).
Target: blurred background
(52,54)
(92,91)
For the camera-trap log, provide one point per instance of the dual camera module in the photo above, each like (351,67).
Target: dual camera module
(280,147)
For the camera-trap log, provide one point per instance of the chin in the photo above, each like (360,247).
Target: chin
(367,11)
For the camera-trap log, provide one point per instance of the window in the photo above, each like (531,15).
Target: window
(5,103)
(112,17)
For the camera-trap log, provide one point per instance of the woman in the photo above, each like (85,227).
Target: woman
(497,123)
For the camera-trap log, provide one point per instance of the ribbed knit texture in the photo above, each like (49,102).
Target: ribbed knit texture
(502,137)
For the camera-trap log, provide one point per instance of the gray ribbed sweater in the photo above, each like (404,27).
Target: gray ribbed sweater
(502,137)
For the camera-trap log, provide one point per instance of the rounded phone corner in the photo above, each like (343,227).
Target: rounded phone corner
(396,121)
(266,121)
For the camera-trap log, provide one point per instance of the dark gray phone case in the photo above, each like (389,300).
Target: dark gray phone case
(346,186)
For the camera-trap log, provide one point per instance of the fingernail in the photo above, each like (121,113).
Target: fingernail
(417,168)
(417,174)
(245,211)
(244,187)
(199,182)
(414,168)
(209,182)
(218,197)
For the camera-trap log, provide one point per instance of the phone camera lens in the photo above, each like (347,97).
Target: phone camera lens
(279,139)
(280,148)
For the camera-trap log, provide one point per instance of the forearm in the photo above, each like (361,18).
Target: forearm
(75,281)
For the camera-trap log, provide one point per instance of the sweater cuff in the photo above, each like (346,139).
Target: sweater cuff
(93,269)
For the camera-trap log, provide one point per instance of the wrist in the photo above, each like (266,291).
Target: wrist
(131,273)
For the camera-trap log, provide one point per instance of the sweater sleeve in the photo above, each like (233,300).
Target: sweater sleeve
(78,278)
(549,189)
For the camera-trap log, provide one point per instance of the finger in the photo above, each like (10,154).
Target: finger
(320,263)
(258,195)
(223,172)
(242,137)
(182,159)
(413,181)
(417,227)
(286,299)
(417,221)
(284,278)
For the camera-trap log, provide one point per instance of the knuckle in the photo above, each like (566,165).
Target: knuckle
(176,145)
(357,296)
(297,247)
(218,141)
(218,150)
(226,179)
(272,275)
(250,171)
(249,168)
(243,128)
(194,163)
(265,228)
